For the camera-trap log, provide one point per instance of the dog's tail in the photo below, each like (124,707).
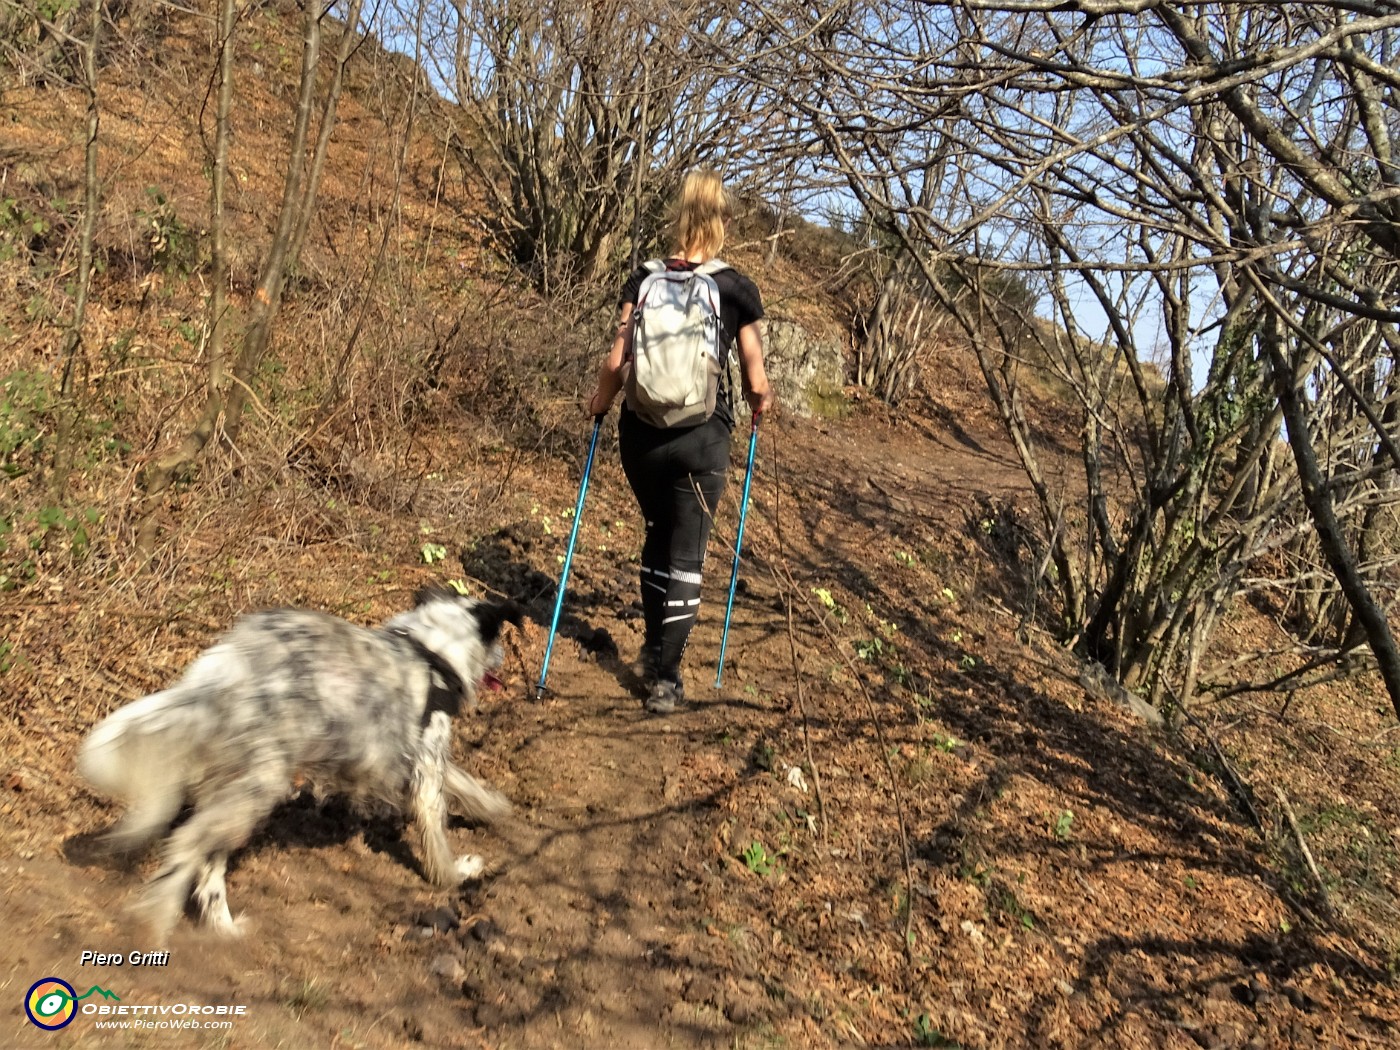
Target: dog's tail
(145,752)
(469,797)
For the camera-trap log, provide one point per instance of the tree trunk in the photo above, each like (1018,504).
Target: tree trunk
(267,298)
(1317,496)
(72,341)
(165,470)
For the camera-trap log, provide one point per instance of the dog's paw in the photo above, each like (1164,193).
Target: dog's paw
(470,867)
(494,807)
(226,925)
(469,797)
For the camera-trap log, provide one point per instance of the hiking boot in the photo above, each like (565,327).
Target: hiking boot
(666,697)
(644,672)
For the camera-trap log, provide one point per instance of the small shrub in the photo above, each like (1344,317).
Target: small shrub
(830,604)
(870,650)
(27,538)
(757,858)
(1063,824)
(925,1034)
(25,399)
(174,247)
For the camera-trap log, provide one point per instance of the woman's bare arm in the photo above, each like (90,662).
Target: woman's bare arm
(610,372)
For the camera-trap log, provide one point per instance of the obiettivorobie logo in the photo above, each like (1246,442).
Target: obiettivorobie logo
(52,1003)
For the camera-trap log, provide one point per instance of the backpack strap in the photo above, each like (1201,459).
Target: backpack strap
(653,267)
(659,266)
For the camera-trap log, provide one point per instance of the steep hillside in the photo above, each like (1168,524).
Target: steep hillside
(907,818)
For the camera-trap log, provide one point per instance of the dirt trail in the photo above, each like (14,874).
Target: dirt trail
(591,891)
(594,924)
(996,859)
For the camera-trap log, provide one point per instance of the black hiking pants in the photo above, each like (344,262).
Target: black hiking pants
(678,477)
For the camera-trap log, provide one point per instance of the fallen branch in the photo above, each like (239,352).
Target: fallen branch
(1241,789)
(1323,899)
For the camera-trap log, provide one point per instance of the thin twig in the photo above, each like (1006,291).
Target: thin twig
(806,730)
(1242,792)
(786,582)
(797,671)
(1323,899)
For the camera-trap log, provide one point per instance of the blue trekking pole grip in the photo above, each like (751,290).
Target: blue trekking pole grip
(738,546)
(569,555)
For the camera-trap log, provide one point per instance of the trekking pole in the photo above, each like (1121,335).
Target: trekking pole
(738,544)
(569,555)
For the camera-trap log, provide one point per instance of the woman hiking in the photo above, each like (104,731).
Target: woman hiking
(677,470)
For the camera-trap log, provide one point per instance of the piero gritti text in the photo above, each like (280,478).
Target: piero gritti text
(127,959)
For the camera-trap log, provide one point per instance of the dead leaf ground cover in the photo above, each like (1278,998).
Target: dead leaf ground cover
(901,822)
(975,850)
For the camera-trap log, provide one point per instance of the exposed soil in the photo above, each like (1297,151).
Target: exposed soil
(909,817)
(1076,879)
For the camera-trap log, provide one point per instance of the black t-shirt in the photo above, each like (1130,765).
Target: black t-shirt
(739,306)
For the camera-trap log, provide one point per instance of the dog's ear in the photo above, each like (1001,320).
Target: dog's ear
(491,617)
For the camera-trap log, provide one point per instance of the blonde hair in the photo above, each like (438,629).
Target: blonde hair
(701,209)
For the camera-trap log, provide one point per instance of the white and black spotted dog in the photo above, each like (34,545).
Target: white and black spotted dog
(356,710)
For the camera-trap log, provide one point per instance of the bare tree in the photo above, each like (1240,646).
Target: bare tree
(227,389)
(299,192)
(891,336)
(575,120)
(163,472)
(68,406)
(1214,186)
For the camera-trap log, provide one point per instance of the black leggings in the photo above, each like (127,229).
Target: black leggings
(678,477)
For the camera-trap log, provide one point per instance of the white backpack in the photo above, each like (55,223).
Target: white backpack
(679,345)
